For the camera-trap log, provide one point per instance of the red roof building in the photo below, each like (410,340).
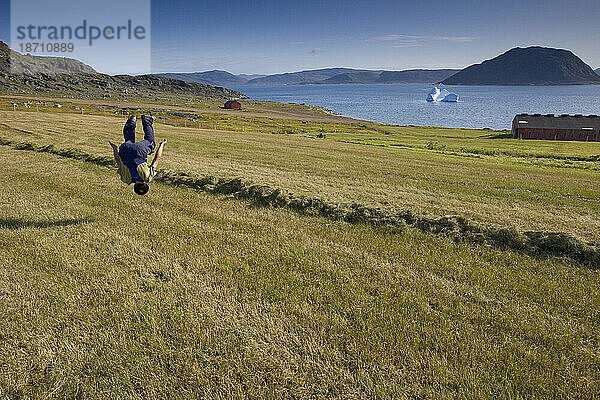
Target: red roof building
(233,105)
(551,127)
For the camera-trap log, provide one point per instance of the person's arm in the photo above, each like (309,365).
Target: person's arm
(116,153)
(158,154)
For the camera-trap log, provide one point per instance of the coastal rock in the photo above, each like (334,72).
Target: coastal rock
(69,77)
(528,66)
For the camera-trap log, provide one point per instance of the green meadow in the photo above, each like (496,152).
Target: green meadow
(528,185)
(185,294)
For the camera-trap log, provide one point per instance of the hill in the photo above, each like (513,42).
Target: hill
(528,66)
(597,71)
(69,77)
(347,75)
(318,76)
(216,77)
(249,77)
(302,77)
(415,76)
(408,76)
(352,77)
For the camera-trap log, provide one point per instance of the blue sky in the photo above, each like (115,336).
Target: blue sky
(277,36)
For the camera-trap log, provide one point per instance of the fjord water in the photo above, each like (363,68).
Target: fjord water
(404,104)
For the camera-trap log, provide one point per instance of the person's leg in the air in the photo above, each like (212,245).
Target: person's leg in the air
(148,133)
(129,129)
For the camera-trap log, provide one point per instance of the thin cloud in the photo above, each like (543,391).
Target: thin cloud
(404,45)
(394,37)
(417,40)
(454,38)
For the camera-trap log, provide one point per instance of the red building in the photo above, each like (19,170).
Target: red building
(551,127)
(233,105)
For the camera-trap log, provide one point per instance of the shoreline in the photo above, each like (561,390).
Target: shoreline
(256,108)
(480,107)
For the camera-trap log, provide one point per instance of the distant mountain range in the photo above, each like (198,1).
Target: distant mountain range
(408,76)
(528,66)
(315,77)
(518,66)
(70,77)
(26,74)
(251,76)
(219,78)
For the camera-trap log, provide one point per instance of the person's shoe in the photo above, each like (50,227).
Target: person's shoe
(151,118)
(133,118)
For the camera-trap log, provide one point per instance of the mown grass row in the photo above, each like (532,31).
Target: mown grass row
(591,162)
(537,243)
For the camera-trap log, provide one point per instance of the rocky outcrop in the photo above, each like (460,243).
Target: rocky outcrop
(528,66)
(26,74)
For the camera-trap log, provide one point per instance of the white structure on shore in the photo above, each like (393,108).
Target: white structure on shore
(436,95)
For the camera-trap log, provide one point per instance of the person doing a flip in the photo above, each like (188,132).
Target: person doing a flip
(132,156)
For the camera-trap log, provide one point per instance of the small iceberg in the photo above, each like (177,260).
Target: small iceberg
(450,98)
(436,95)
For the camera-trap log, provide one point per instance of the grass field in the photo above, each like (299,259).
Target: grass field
(512,191)
(182,294)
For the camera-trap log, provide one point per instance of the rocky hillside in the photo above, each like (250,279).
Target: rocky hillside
(528,66)
(69,77)
(597,71)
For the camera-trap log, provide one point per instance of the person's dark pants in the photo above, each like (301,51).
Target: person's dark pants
(132,152)
(129,133)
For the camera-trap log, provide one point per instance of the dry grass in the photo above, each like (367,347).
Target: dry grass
(185,295)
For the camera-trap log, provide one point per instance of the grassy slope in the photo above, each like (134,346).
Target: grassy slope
(208,296)
(506,190)
(258,116)
(251,108)
(478,142)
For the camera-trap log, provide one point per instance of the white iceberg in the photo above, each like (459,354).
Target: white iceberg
(450,98)
(436,95)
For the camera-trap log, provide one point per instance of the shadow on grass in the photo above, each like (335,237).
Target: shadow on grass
(496,135)
(539,244)
(16,223)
